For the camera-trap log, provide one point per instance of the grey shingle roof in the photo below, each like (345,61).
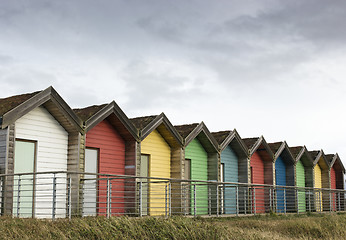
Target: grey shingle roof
(295,151)
(7,104)
(141,122)
(221,136)
(249,142)
(185,130)
(87,112)
(275,146)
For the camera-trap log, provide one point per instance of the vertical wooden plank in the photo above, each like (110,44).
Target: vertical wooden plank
(176,173)
(8,197)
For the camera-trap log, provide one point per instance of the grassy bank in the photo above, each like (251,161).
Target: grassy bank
(258,227)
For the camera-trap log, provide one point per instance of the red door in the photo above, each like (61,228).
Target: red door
(333,186)
(257,173)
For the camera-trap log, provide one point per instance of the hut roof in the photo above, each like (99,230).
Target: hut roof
(87,112)
(7,104)
(221,136)
(141,122)
(329,157)
(295,151)
(249,142)
(314,154)
(275,146)
(185,130)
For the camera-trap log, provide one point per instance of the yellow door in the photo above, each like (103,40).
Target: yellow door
(318,184)
(159,151)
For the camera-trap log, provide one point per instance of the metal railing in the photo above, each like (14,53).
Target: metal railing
(66,194)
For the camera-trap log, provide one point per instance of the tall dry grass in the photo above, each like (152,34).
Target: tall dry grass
(316,226)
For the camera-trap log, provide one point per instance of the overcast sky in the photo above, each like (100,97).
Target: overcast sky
(272,68)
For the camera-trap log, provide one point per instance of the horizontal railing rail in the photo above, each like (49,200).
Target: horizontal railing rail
(64,194)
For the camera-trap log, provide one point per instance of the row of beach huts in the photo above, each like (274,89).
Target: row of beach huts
(41,133)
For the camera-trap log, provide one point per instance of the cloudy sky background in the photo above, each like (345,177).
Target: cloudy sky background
(273,68)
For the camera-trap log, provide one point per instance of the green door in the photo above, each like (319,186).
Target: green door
(199,171)
(23,186)
(187,186)
(144,172)
(301,183)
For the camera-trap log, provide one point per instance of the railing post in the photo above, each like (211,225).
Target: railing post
(320,203)
(270,200)
(140,203)
(187,192)
(108,198)
(217,200)
(254,200)
(209,200)
(237,204)
(309,200)
(2,195)
(275,199)
(297,200)
(245,200)
(170,198)
(285,200)
(330,201)
(194,200)
(339,205)
(54,197)
(18,194)
(166,200)
(69,198)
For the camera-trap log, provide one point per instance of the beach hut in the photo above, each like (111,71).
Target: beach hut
(200,163)
(260,172)
(337,172)
(304,178)
(284,176)
(110,148)
(321,180)
(160,152)
(234,168)
(39,133)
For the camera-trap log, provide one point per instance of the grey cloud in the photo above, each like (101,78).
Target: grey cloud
(295,21)
(18,80)
(6,60)
(148,89)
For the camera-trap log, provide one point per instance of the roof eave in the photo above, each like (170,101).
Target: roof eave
(38,100)
(202,127)
(234,135)
(155,123)
(260,141)
(105,112)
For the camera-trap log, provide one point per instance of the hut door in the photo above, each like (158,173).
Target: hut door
(222,179)
(90,183)
(144,172)
(187,186)
(23,186)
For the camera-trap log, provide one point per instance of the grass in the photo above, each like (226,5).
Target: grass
(312,226)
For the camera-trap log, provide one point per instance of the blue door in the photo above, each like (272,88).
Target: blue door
(230,170)
(280,176)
